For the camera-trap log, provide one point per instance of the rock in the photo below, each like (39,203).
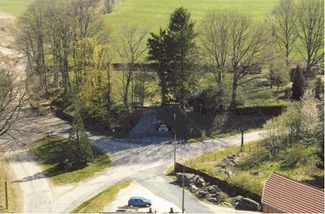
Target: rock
(202,194)
(214,189)
(188,178)
(213,200)
(254,173)
(193,188)
(247,204)
(179,177)
(236,200)
(197,179)
(200,182)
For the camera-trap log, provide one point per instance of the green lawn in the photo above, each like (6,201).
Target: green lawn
(50,152)
(14,7)
(98,202)
(296,162)
(153,14)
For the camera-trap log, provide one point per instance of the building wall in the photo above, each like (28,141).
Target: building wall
(267,209)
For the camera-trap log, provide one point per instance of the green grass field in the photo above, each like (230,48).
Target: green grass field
(153,14)
(296,162)
(14,7)
(50,152)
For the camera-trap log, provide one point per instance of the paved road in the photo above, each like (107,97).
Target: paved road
(144,162)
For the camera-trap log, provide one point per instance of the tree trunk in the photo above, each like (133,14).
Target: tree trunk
(163,91)
(233,103)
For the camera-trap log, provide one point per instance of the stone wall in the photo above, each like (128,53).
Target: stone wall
(229,189)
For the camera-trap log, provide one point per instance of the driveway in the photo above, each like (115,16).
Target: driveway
(143,161)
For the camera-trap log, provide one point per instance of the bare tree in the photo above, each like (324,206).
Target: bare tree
(246,49)
(282,23)
(310,30)
(11,100)
(133,45)
(32,40)
(215,35)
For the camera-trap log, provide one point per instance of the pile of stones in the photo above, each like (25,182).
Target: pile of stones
(197,185)
(202,189)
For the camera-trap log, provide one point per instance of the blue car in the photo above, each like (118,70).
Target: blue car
(139,202)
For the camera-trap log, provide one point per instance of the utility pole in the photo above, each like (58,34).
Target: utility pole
(183,194)
(174,117)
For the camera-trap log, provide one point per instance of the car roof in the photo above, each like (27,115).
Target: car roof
(136,197)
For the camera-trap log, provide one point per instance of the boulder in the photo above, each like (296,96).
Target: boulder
(202,194)
(242,203)
(213,200)
(214,189)
(200,182)
(179,177)
(193,188)
(236,200)
(188,178)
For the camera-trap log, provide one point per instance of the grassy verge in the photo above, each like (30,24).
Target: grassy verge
(14,7)
(253,166)
(50,152)
(12,190)
(97,203)
(212,136)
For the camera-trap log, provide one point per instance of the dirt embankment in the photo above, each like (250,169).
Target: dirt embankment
(7,28)
(10,58)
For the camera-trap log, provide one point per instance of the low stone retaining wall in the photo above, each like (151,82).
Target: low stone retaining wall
(229,189)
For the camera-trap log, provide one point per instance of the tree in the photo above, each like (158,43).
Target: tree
(180,48)
(319,89)
(50,34)
(282,22)
(301,122)
(215,36)
(310,29)
(157,52)
(131,50)
(246,49)
(310,114)
(278,70)
(298,84)
(32,40)
(79,148)
(173,52)
(12,97)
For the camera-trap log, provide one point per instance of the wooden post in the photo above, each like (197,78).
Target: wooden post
(175,143)
(242,140)
(6,193)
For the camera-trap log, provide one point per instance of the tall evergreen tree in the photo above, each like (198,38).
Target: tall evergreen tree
(298,84)
(180,46)
(79,148)
(157,53)
(172,51)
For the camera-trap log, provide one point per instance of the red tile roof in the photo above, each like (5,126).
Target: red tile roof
(286,195)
